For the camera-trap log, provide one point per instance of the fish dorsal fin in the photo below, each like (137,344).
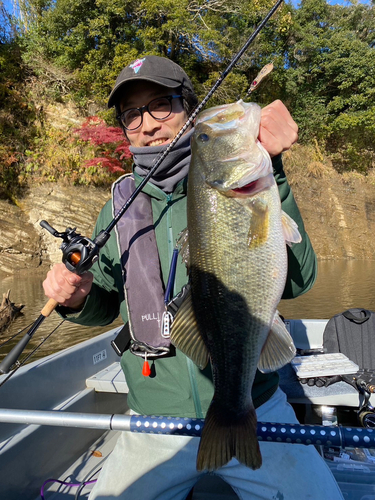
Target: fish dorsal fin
(278,350)
(290,229)
(185,334)
(183,246)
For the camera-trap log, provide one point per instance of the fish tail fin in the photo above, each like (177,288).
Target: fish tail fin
(222,440)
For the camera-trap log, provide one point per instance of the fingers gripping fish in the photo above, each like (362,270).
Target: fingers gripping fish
(237,268)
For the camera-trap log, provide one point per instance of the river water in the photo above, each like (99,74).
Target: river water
(340,285)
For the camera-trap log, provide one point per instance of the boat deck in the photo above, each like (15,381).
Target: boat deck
(88,467)
(87,378)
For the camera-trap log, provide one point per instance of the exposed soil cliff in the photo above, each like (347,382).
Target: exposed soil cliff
(24,245)
(338,210)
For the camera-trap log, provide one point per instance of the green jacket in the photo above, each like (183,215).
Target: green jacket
(178,387)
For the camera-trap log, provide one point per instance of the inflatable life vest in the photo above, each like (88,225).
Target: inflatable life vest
(141,272)
(352,333)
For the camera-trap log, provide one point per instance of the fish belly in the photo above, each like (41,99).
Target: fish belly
(237,283)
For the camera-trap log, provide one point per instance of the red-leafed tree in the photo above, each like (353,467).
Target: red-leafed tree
(111,146)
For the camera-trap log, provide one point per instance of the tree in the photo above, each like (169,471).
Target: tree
(330,79)
(323,56)
(17,113)
(95,39)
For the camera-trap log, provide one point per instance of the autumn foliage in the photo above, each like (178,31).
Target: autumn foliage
(91,154)
(110,140)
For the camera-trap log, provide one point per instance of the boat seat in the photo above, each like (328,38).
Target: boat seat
(111,379)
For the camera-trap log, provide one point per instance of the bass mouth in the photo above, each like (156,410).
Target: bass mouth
(251,188)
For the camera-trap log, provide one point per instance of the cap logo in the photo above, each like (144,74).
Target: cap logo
(136,65)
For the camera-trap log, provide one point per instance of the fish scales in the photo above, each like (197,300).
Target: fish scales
(228,284)
(237,268)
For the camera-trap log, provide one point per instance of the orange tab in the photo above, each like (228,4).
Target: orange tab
(146,371)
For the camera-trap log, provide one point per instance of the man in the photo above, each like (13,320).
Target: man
(153,97)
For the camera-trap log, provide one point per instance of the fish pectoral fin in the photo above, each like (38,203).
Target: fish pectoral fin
(185,334)
(290,229)
(278,350)
(183,246)
(259,226)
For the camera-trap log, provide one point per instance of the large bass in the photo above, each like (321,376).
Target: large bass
(237,263)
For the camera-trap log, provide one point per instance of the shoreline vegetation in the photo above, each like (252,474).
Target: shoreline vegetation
(338,211)
(60,145)
(59,61)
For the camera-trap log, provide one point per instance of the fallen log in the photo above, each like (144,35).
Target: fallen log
(8,311)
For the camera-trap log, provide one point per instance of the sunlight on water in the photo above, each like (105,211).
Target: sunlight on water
(29,291)
(340,286)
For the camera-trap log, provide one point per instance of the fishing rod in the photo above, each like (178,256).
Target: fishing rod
(14,336)
(19,365)
(325,435)
(80,252)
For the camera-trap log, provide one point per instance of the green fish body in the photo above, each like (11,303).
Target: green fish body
(237,267)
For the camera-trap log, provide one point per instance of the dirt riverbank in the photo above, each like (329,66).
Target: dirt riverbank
(338,210)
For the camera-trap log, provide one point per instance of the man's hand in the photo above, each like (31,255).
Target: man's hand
(68,289)
(278,131)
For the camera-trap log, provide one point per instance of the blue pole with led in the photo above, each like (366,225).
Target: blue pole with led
(344,437)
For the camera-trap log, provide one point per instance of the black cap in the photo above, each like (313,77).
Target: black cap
(153,69)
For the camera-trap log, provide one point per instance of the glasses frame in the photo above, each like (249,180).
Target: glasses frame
(144,108)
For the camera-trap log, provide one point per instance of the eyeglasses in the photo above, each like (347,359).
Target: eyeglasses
(159,108)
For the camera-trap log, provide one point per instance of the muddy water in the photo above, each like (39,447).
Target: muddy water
(29,291)
(340,285)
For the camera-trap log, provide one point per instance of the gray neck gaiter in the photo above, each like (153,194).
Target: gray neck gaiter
(174,167)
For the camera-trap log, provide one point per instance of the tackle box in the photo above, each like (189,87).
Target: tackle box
(323,365)
(354,471)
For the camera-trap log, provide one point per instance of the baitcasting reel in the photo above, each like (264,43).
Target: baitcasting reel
(366,413)
(79,252)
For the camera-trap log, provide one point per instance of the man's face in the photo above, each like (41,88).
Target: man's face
(152,132)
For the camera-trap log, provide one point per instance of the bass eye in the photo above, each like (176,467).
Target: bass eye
(203,137)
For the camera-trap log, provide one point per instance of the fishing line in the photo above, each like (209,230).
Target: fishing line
(41,343)
(3,309)
(30,354)
(14,336)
